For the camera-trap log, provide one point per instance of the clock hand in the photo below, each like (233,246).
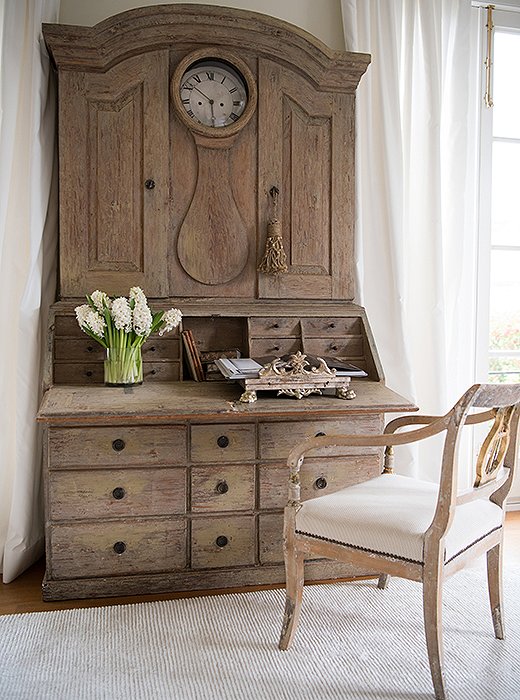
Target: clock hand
(203,95)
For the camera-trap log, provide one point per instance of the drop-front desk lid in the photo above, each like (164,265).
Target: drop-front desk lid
(161,401)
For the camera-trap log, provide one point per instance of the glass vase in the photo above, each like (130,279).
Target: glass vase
(123,366)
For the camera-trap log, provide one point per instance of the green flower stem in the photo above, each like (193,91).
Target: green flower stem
(123,364)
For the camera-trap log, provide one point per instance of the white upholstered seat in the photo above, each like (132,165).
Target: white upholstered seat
(398,526)
(390,515)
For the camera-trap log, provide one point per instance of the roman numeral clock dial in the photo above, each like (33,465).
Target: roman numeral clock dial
(214,95)
(213,92)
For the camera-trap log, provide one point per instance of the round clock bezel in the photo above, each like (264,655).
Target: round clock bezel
(236,64)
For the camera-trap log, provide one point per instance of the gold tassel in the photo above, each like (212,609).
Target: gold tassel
(274,260)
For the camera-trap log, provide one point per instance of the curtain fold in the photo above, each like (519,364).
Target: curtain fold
(28,240)
(416,234)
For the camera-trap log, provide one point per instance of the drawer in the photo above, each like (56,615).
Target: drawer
(79,372)
(222,488)
(270,535)
(105,493)
(274,327)
(318,327)
(222,542)
(223,443)
(335,347)
(276,440)
(117,446)
(274,347)
(116,548)
(93,373)
(85,348)
(318,477)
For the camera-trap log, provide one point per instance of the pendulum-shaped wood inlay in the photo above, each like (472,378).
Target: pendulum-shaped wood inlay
(213,246)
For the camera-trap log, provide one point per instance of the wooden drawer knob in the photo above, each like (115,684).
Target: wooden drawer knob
(222,487)
(223,441)
(221,541)
(119,547)
(321,482)
(118,445)
(118,493)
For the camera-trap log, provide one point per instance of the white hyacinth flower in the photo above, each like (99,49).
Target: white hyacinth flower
(142,317)
(100,299)
(170,320)
(90,319)
(122,314)
(137,294)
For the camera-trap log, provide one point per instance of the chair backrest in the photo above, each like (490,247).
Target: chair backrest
(498,449)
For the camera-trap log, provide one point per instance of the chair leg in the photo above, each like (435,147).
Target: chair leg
(293,598)
(382,581)
(432,608)
(494,572)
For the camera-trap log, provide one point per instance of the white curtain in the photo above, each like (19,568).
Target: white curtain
(415,176)
(27,271)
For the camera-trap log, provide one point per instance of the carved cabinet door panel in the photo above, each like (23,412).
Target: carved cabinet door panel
(114,184)
(306,152)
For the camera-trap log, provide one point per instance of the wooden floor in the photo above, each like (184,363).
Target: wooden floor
(24,594)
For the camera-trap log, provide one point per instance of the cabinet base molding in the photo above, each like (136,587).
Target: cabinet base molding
(188,581)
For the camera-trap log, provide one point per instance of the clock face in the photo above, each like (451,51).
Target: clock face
(213,93)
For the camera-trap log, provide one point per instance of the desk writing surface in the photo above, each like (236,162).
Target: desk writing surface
(213,401)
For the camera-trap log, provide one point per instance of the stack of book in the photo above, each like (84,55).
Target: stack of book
(193,356)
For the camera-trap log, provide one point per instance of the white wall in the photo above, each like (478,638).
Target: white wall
(319,17)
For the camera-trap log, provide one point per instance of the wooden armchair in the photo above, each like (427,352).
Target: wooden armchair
(400,526)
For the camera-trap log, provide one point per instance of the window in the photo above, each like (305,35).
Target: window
(499,269)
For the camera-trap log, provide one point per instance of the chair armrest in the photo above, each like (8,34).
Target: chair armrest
(298,452)
(418,419)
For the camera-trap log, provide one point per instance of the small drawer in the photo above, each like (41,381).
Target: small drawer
(318,477)
(223,443)
(335,347)
(274,347)
(78,372)
(162,371)
(270,535)
(156,349)
(117,548)
(83,348)
(117,446)
(222,488)
(274,327)
(319,327)
(278,439)
(222,542)
(98,493)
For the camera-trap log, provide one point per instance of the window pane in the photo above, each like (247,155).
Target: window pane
(504,369)
(505,300)
(506,92)
(505,198)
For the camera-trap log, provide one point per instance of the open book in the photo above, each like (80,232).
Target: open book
(238,368)
(246,367)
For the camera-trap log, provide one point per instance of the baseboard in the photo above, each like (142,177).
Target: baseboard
(513,504)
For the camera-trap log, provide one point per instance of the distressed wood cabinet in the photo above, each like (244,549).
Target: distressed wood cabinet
(176,485)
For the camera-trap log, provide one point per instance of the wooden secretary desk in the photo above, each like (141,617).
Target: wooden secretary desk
(184,130)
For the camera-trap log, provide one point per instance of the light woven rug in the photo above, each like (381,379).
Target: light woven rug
(354,642)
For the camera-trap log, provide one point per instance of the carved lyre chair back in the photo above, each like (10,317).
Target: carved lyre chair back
(407,527)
